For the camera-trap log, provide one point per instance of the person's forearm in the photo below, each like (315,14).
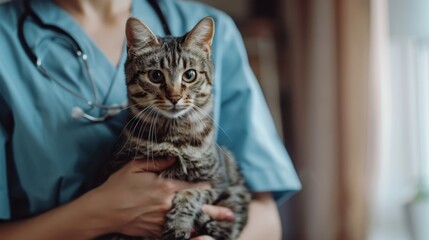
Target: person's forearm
(264,220)
(71,221)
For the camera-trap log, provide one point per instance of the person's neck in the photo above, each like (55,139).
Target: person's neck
(95,9)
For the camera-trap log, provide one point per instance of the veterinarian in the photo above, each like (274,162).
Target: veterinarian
(62,92)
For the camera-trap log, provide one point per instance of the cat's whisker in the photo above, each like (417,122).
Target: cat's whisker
(120,109)
(155,135)
(139,123)
(216,123)
(136,118)
(133,120)
(194,133)
(129,106)
(142,129)
(126,125)
(205,127)
(139,113)
(150,136)
(199,121)
(151,122)
(139,138)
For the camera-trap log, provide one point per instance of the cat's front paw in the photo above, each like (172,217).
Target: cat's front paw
(176,234)
(177,227)
(180,220)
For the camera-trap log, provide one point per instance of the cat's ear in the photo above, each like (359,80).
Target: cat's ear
(139,35)
(201,35)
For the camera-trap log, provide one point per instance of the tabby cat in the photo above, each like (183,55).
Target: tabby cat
(169,82)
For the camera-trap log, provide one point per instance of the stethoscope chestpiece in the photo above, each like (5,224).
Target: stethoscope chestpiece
(112,110)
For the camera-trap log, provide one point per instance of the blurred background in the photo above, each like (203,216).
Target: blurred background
(347,83)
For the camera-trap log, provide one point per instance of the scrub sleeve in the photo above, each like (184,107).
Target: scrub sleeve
(4,199)
(4,123)
(244,114)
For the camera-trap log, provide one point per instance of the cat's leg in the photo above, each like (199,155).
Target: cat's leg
(187,206)
(238,201)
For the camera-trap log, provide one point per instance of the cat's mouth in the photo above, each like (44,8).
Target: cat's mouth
(173,111)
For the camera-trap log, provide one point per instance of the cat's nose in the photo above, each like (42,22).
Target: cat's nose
(174,99)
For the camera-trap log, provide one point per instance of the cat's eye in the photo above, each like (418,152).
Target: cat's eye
(189,76)
(156,76)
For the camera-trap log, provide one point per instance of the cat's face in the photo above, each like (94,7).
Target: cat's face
(170,75)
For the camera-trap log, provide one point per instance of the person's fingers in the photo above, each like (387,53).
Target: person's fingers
(141,166)
(218,213)
(157,165)
(181,185)
(203,238)
(172,186)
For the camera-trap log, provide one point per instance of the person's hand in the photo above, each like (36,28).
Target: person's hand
(205,237)
(134,201)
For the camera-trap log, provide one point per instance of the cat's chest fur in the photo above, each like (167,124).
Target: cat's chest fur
(192,144)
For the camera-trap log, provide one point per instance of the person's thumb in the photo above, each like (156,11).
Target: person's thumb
(218,213)
(156,165)
(203,238)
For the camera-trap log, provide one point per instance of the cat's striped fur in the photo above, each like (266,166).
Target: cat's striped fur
(171,117)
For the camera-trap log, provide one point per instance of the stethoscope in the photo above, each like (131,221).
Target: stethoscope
(77,112)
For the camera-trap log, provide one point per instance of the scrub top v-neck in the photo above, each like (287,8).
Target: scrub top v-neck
(47,158)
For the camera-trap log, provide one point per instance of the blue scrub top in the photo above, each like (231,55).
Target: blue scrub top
(47,157)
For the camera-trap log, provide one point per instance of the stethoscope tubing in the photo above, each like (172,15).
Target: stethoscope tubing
(77,112)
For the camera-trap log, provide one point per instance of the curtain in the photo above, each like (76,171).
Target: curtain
(328,72)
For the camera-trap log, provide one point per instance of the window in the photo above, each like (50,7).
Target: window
(401,201)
